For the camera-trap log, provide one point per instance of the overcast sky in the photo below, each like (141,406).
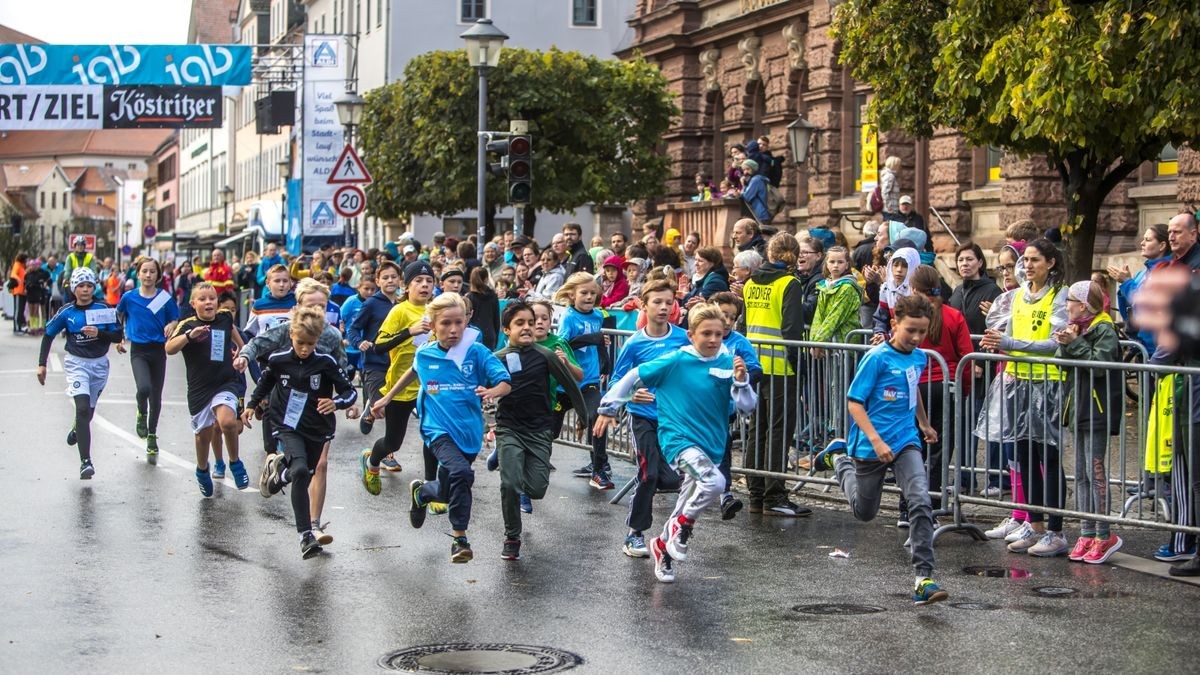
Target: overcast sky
(99,21)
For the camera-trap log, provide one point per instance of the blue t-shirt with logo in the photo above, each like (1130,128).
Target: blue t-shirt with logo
(576,323)
(887,385)
(642,348)
(447,403)
(693,395)
(147,318)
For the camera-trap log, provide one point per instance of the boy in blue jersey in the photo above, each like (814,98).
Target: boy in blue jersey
(455,376)
(693,387)
(659,338)
(581,327)
(350,310)
(362,333)
(738,345)
(91,327)
(884,399)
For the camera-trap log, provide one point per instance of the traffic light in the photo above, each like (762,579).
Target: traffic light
(499,148)
(520,169)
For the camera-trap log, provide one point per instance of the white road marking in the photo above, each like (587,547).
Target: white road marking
(140,446)
(131,401)
(55,363)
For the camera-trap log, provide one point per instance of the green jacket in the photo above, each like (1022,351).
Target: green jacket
(837,309)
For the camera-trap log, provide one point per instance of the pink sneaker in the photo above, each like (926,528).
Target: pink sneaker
(1083,546)
(1103,549)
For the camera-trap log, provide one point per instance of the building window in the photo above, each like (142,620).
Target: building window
(108,165)
(378,13)
(994,155)
(1167,165)
(471,10)
(584,12)
(367,22)
(53,199)
(100,200)
(43,201)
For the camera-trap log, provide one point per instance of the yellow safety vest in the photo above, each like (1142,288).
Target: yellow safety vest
(764,320)
(1031,322)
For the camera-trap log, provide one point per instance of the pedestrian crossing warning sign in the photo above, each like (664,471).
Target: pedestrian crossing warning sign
(349,169)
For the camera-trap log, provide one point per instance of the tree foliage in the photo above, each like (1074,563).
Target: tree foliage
(1096,86)
(595,123)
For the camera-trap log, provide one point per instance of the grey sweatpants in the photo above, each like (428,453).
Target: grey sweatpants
(1091,479)
(862,481)
(524,470)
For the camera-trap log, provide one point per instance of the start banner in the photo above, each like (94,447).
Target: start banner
(109,107)
(178,65)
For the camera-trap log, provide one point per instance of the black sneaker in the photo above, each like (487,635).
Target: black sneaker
(787,510)
(584,471)
(308,545)
(730,506)
(1187,568)
(71,438)
(902,521)
(151,449)
(140,425)
(511,550)
(460,550)
(416,512)
(365,424)
(86,470)
(824,460)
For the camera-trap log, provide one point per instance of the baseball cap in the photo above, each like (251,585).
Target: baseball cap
(410,249)
(905,199)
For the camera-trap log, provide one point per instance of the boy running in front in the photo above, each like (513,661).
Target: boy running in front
(693,387)
(884,398)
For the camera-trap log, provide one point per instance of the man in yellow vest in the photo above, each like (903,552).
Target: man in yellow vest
(78,257)
(774,297)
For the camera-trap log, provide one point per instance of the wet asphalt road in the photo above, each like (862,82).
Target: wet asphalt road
(135,572)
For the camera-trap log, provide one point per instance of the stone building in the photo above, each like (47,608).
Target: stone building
(743,68)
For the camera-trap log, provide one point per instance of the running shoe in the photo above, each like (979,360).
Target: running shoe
(140,425)
(309,546)
(151,449)
(584,471)
(1166,553)
(786,510)
(1022,532)
(511,550)
(1103,549)
(1083,546)
(1028,539)
(218,469)
(662,562)
(755,507)
(635,546)
(391,464)
(370,477)
(204,480)
(991,493)
(71,437)
(460,550)
(679,531)
(493,459)
(365,423)
(1187,568)
(825,459)
(240,478)
(928,592)
(902,520)
(1051,544)
(323,537)
(601,481)
(265,475)
(730,506)
(1005,528)
(86,470)
(526,503)
(438,508)
(416,512)
(274,476)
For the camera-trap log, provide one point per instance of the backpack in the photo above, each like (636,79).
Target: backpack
(876,200)
(775,200)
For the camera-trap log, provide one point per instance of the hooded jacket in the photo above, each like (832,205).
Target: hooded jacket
(1094,397)
(966,299)
(838,301)
(890,293)
(808,285)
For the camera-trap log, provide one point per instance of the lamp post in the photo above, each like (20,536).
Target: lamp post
(285,172)
(802,135)
(484,42)
(226,197)
(350,111)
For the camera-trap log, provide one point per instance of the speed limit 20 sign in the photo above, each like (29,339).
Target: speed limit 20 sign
(349,201)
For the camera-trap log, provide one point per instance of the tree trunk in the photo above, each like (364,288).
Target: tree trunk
(1087,181)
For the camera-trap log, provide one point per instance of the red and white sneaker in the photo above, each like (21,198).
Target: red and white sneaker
(679,530)
(1103,549)
(662,561)
(1083,546)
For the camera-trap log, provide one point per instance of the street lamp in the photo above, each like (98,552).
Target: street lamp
(285,172)
(802,136)
(350,111)
(226,197)
(484,42)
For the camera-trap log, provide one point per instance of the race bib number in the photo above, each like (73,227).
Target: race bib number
(217,346)
(913,378)
(99,317)
(513,361)
(158,302)
(295,408)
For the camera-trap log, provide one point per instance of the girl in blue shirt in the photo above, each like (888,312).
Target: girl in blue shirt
(456,374)
(580,327)
(149,314)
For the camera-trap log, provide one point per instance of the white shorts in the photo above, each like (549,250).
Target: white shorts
(85,376)
(208,417)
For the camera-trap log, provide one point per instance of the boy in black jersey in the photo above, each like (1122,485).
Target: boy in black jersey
(208,341)
(524,418)
(301,383)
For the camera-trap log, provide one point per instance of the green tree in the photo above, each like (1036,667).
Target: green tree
(596,124)
(1096,86)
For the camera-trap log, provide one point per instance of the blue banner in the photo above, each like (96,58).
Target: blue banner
(294,230)
(179,65)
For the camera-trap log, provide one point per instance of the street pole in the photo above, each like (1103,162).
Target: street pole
(481,173)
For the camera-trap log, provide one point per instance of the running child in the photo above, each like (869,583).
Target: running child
(362,333)
(350,309)
(455,376)
(228,302)
(738,345)
(149,315)
(273,307)
(883,400)
(580,327)
(301,383)
(91,326)
(208,340)
(693,387)
(525,417)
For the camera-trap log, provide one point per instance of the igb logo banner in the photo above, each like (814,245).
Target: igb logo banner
(178,65)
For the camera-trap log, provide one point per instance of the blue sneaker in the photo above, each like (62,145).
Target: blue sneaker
(928,593)
(825,459)
(218,469)
(240,478)
(204,479)
(493,460)
(526,504)
(1166,553)
(635,546)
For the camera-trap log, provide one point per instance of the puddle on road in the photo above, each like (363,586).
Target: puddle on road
(995,572)
(837,609)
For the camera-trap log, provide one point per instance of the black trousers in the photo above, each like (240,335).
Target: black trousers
(149,362)
(301,456)
(395,417)
(653,473)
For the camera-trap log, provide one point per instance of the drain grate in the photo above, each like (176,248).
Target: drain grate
(996,572)
(490,659)
(976,606)
(835,609)
(1055,591)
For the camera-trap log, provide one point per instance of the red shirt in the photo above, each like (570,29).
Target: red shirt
(220,276)
(954,344)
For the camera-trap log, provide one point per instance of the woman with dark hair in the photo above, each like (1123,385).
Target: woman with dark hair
(709,277)
(485,307)
(976,287)
(1155,249)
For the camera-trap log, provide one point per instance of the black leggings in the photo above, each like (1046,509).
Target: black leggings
(1045,484)
(149,361)
(395,417)
(302,454)
(83,426)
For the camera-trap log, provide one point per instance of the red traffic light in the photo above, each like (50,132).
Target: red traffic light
(519,145)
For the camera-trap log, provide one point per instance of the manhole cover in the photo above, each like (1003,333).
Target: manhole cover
(494,659)
(1055,591)
(996,572)
(836,608)
(976,606)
